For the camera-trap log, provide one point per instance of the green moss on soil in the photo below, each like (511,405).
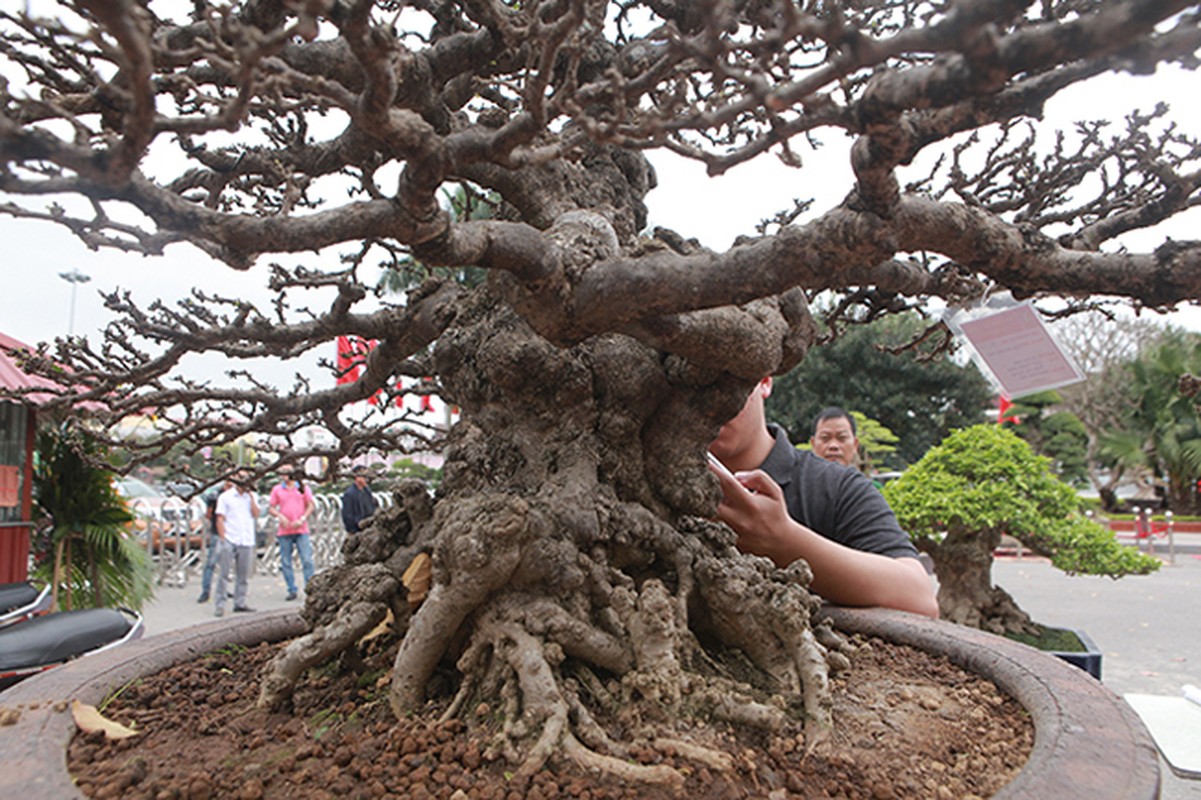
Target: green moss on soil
(1058,640)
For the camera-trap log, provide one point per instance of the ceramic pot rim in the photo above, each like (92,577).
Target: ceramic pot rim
(1088,741)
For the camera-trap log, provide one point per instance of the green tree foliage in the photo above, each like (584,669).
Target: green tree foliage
(980,483)
(408,468)
(1066,444)
(876,441)
(87,550)
(1055,433)
(919,401)
(1161,429)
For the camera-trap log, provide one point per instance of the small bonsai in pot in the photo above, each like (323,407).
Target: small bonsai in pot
(982,482)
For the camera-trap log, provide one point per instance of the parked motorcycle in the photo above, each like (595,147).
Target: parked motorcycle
(23,601)
(33,641)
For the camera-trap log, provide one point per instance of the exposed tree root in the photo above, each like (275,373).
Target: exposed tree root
(714,759)
(542,703)
(373,585)
(590,760)
(479,549)
(728,705)
(1000,614)
(766,613)
(588,730)
(541,655)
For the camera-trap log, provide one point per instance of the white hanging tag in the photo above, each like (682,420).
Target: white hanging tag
(1015,346)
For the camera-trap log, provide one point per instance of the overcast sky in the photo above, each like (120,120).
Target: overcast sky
(35,301)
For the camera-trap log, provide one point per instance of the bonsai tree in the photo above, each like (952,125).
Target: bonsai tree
(985,481)
(875,440)
(575,566)
(88,553)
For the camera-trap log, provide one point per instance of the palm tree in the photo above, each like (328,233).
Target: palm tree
(89,554)
(1162,429)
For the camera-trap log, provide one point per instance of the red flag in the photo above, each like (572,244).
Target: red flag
(352,360)
(1004,404)
(348,363)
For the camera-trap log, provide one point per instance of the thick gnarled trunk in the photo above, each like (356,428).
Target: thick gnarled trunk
(576,575)
(966,594)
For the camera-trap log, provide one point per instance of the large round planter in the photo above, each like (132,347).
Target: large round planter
(1088,742)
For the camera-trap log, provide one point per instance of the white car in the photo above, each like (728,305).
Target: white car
(160,518)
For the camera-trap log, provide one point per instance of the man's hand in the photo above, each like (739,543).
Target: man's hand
(753,505)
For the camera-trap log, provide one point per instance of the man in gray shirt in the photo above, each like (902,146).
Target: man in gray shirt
(786,504)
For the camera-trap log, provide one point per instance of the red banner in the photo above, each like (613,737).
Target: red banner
(350,362)
(352,352)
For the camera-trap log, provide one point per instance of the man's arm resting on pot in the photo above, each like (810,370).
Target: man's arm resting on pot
(753,505)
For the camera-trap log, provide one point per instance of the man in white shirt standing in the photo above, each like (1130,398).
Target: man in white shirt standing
(236,514)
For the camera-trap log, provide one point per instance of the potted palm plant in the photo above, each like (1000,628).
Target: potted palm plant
(85,546)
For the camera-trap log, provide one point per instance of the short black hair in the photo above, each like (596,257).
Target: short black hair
(834,412)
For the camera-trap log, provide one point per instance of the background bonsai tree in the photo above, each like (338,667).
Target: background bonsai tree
(575,567)
(982,482)
(87,550)
(915,395)
(876,441)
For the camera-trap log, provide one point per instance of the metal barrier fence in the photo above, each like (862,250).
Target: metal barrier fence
(177,534)
(1143,530)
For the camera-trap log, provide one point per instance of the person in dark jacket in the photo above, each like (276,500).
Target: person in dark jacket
(210,548)
(357,501)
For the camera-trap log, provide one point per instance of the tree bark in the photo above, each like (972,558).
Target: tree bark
(572,532)
(966,594)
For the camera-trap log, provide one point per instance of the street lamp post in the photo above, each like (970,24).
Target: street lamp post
(74,277)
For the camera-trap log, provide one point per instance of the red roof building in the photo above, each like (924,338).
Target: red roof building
(17,420)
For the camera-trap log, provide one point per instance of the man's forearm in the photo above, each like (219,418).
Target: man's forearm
(852,577)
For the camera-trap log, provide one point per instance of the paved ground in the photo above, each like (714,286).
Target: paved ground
(177,608)
(1146,626)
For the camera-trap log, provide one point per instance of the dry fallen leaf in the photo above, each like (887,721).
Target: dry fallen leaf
(89,720)
(417,578)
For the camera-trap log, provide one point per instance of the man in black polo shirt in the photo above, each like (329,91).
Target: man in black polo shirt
(787,504)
